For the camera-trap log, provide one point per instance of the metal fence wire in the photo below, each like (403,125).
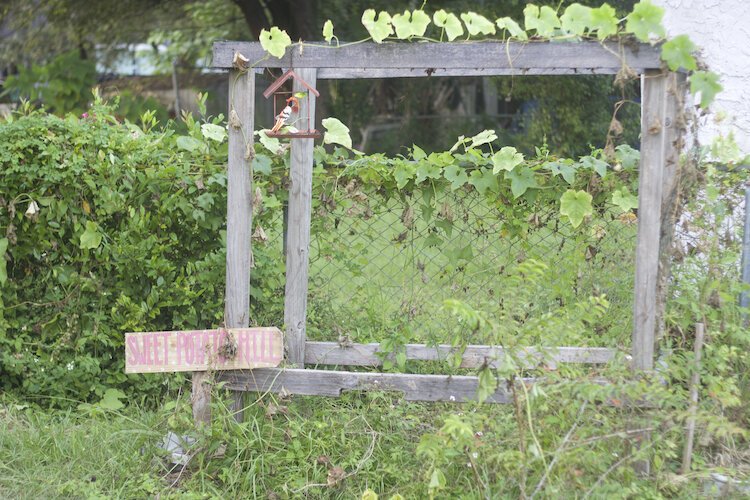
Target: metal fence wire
(382,265)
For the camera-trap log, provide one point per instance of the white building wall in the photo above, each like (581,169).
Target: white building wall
(721,29)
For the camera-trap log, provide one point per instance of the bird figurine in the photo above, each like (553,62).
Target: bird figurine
(292,106)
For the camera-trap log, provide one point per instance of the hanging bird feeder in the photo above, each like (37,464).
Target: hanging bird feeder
(287,104)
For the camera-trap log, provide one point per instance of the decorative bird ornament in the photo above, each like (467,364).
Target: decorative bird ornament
(292,106)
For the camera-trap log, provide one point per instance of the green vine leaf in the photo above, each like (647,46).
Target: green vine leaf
(645,20)
(565,168)
(477,23)
(627,156)
(483,137)
(427,170)
(91,238)
(576,19)
(411,24)
(417,153)
(262,164)
(328,31)
(595,164)
(506,159)
(575,205)
(705,83)
(214,132)
(604,21)
(543,20)
(624,200)
(403,173)
(483,180)
(678,53)
(379,29)
(274,41)
(270,143)
(456,176)
(521,180)
(336,133)
(449,22)
(515,31)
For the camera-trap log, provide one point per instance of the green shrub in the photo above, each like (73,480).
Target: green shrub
(105,228)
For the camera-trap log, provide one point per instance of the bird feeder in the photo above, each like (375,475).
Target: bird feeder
(287,105)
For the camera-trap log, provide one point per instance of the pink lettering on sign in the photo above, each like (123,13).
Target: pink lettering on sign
(197,350)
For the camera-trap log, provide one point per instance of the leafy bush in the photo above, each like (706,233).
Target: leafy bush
(106,228)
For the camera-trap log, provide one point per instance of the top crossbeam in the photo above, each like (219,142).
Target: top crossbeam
(486,58)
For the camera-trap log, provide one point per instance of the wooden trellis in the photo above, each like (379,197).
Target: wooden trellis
(662,93)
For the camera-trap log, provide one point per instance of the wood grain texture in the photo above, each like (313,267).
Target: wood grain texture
(239,222)
(474,356)
(456,388)
(298,230)
(653,116)
(532,57)
(672,200)
(203,350)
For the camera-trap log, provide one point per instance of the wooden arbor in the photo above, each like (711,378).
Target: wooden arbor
(660,138)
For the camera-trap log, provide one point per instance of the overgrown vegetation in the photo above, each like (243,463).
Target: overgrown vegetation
(110,227)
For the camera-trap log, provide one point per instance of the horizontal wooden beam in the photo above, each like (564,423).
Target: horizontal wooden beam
(359,73)
(474,356)
(456,388)
(416,59)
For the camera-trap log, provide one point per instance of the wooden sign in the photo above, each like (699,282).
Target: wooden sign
(202,350)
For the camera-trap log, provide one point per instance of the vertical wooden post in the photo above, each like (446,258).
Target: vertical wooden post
(653,115)
(675,126)
(650,191)
(298,230)
(239,223)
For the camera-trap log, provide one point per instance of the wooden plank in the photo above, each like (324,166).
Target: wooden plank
(356,73)
(298,230)
(607,58)
(456,388)
(474,356)
(675,128)
(653,115)
(202,350)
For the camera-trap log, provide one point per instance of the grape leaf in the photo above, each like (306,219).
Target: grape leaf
(604,21)
(456,176)
(427,170)
(274,41)
(477,23)
(707,84)
(270,143)
(576,19)
(595,164)
(521,180)
(336,133)
(379,29)
(410,24)
(627,156)
(262,163)
(506,23)
(483,180)
(214,132)
(566,168)
(483,137)
(449,22)
(91,238)
(328,31)
(576,205)
(543,20)
(417,153)
(623,199)
(678,53)
(645,20)
(506,159)
(403,173)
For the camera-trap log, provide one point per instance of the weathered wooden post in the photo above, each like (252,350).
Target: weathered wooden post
(298,230)
(239,224)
